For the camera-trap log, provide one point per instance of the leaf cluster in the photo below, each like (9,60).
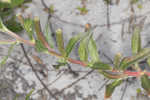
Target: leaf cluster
(88,52)
(7,13)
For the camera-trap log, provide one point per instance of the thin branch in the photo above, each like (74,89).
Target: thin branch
(124,90)
(108,16)
(18,38)
(51,83)
(103,85)
(7,41)
(36,74)
(73,83)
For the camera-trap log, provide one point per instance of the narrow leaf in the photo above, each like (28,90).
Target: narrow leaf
(40,35)
(57,66)
(112,75)
(60,42)
(15,3)
(48,35)
(127,61)
(71,44)
(9,53)
(39,46)
(28,25)
(136,41)
(2,26)
(92,49)
(117,60)
(101,66)
(29,95)
(145,82)
(13,25)
(148,61)
(82,50)
(111,87)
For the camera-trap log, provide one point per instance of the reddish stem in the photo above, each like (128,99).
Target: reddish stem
(52,52)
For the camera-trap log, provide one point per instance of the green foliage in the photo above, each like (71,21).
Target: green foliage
(82,50)
(39,46)
(2,26)
(72,43)
(17,95)
(11,3)
(60,63)
(145,82)
(111,87)
(92,50)
(6,57)
(117,60)
(127,61)
(28,25)
(134,1)
(107,1)
(83,10)
(136,41)
(13,25)
(101,66)
(51,9)
(60,42)
(7,8)
(148,61)
(48,35)
(112,75)
(87,49)
(29,95)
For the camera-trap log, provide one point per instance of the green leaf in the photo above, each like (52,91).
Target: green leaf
(2,26)
(92,49)
(13,25)
(48,35)
(148,61)
(83,10)
(57,66)
(28,26)
(9,53)
(107,1)
(112,75)
(136,41)
(82,50)
(4,13)
(111,87)
(17,95)
(51,9)
(117,60)
(72,43)
(10,3)
(145,82)
(127,61)
(39,46)
(134,1)
(101,66)
(15,3)
(60,42)
(5,4)
(140,6)
(39,34)
(6,1)
(29,95)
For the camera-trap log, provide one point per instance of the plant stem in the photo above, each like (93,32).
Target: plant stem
(36,74)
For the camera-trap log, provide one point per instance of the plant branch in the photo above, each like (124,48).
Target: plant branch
(73,83)
(18,38)
(52,52)
(36,74)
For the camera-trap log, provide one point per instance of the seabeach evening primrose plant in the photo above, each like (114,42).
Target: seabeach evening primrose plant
(87,49)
